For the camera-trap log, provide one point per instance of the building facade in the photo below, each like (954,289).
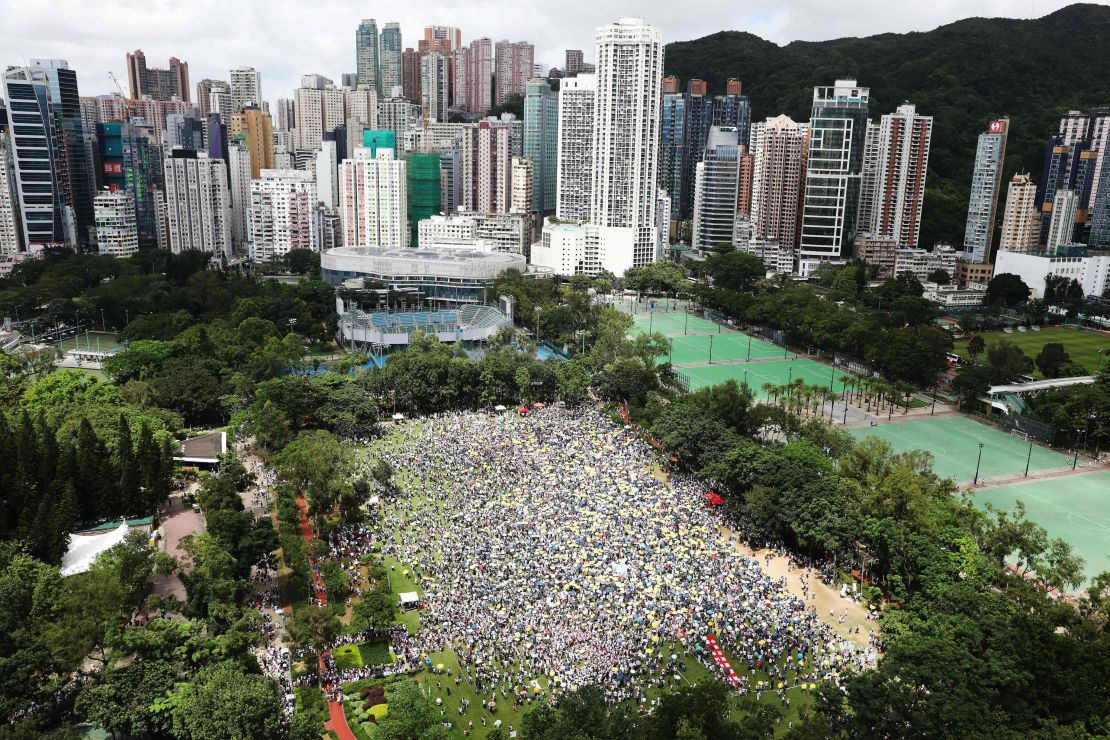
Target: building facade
(282,214)
(367,64)
(986,181)
(513,63)
(389,59)
(435,86)
(779,147)
(246,88)
(715,190)
(158,84)
(117,233)
(1021,223)
(198,203)
(541,142)
(373,199)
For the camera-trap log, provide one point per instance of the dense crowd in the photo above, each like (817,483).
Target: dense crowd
(548,548)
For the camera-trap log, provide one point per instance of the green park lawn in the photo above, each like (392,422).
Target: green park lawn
(1082,345)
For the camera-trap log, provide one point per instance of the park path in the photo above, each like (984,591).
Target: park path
(337,721)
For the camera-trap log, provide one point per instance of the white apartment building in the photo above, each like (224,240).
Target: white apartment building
(361,105)
(1021,221)
(778,148)
(117,231)
(239,176)
(488,149)
(986,180)
(373,200)
(520,200)
(318,111)
(498,232)
(282,214)
(435,85)
(574,157)
(896,160)
(246,88)
(9,229)
(1062,226)
(326,171)
(198,203)
(627,118)
(920,263)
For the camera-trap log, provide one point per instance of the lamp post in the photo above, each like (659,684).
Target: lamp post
(749,348)
(686,324)
(933,410)
(538,309)
(1029,457)
(977,462)
(1099,366)
(1075,460)
(710,349)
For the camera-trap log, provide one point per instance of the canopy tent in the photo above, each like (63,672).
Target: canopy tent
(83,549)
(408,599)
(498,408)
(398,417)
(714,499)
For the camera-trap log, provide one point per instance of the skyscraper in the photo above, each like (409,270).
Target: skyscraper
(733,109)
(1021,223)
(117,234)
(128,164)
(239,192)
(410,74)
(520,199)
(38,158)
(895,177)
(435,86)
(285,117)
(246,88)
(512,68)
(672,147)
(573,63)
(715,189)
(479,78)
(283,204)
(318,112)
(367,64)
(541,141)
(159,84)
(9,224)
(986,181)
(390,57)
(79,184)
(1062,225)
(444,39)
(253,127)
(205,88)
(574,155)
(197,203)
(837,130)
(626,138)
(778,177)
(1100,210)
(373,199)
(488,149)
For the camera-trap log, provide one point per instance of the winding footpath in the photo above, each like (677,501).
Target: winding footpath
(338,719)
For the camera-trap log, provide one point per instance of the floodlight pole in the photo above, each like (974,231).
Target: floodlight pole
(1029,457)
(749,348)
(977,462)
(710,349)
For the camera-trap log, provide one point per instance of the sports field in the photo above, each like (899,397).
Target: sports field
(1082,345)
(954,443)
(675,324)
(716,347)
(775,372)
(1075,508)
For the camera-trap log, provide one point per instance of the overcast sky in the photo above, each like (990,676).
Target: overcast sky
(287,38)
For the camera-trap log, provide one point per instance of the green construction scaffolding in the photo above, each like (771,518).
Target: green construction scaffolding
(424,196)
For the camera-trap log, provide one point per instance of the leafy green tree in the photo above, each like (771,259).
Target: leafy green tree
(975,346)
(1006,290)
(121,700)
(223,702)
(1051,359)
(971,382)
(1006,361)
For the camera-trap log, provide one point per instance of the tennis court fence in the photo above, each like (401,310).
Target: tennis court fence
(1038,430)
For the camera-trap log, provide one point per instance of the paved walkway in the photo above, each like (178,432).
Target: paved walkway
(180,521)
(337,721)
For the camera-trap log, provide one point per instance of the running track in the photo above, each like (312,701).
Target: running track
(338,719)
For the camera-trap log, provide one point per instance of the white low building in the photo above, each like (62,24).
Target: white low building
(920,262)
(1091,272)
(583,249)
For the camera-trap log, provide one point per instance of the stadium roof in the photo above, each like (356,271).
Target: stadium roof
(403,262)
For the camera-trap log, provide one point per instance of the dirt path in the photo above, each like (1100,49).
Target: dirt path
(823,597)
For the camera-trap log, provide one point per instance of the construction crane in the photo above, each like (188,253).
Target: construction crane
(126,102)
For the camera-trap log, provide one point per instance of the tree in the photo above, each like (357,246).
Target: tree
(939,276)
(1006,290)
(736,271)
(1006,362)
(1051,359)
(375,609)
(224,702)
(971,382)
(975,346)
(121,700)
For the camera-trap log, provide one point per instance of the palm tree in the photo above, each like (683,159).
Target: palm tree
(769,389)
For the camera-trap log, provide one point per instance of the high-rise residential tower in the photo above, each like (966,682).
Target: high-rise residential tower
(373,200)
(986,181)
(158,84)
(410,74)
(198,204)
(117,234)
(574,155)
(626,138)
(9,224)
(367,63)
(1021,223)
(283,205)
(837,132)
(1062,225)
(513,63)
(205,88)
(389,58)
(672,145)
(255,130)
(435,86)
(779,148)
(894,177)
(129,164)
(246,88)
(574,63)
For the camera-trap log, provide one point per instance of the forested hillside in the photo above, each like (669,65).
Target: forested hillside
(962,74)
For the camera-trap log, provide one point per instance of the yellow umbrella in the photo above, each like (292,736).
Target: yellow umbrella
(439,666)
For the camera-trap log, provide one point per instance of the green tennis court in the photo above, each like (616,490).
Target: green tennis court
(734,346)
(954,443)
(675,324)
(1075,508)
(775,372)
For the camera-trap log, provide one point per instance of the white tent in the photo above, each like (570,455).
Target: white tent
(83,548)
(408,600)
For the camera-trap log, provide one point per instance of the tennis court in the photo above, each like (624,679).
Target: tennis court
(954,443)
(1075,508)
(706,347)
(775,372)
(675,324)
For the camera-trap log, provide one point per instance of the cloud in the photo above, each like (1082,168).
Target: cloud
(287,38)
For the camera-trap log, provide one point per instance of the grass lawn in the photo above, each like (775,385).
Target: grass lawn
(1082,345)
(400,580)
(347,657)
(375,653)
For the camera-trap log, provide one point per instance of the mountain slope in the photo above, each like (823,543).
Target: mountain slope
(963,74)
